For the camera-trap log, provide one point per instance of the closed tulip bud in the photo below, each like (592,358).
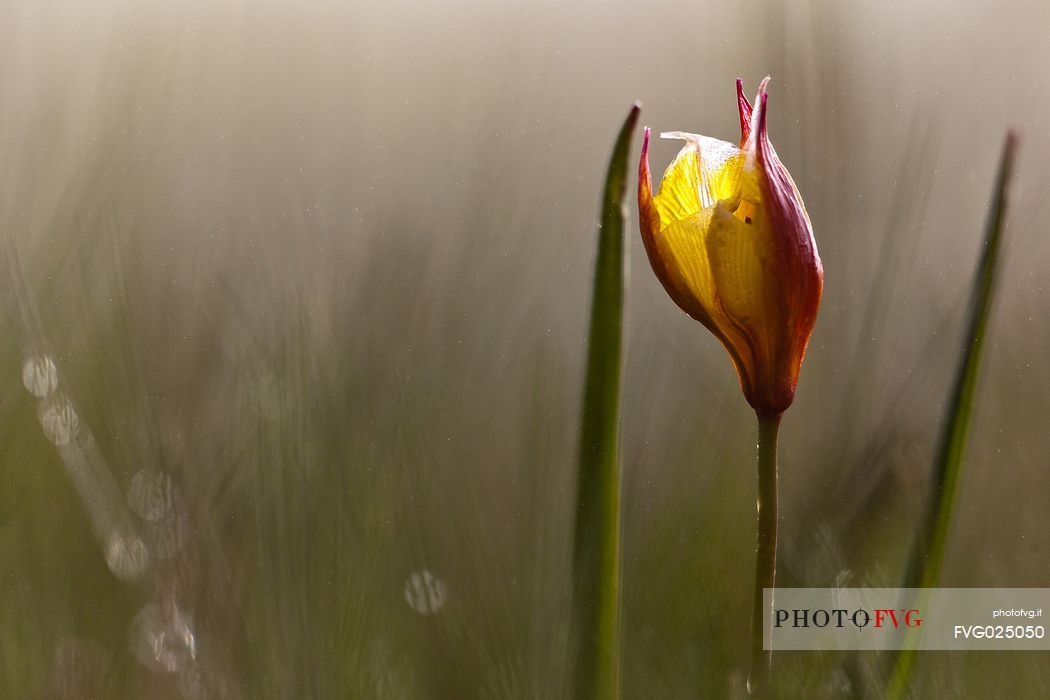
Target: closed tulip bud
(730,240)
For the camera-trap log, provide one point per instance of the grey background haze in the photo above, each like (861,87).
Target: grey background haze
(327,266)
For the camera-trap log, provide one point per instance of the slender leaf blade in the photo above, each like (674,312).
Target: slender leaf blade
(596,552)
(927,557)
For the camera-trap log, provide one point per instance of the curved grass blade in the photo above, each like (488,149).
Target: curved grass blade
(927,555)
(596,551)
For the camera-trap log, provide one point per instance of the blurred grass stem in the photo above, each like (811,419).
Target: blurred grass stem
(765,552)
(927,557)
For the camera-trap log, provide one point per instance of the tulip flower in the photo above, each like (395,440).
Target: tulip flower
(729,238)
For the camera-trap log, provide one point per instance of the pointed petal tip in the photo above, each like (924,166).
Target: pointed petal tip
(760,115)
(644,179)
(756,128)
(744,109)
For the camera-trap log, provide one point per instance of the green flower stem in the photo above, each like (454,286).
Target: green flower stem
(766,551)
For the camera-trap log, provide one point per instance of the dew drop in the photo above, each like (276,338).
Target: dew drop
(40,376)
(425,593)
(162,638)
(839,684)
(59,420)
(126,556)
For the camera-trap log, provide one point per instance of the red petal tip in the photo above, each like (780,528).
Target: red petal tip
(744,108)
(760,120)
(643,162)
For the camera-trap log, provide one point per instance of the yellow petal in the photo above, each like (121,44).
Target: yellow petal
(682,247)
(679,195)
(685,248)
(741,257)
(705,171)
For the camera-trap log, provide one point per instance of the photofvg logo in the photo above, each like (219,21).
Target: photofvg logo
(840,618)
(897,618)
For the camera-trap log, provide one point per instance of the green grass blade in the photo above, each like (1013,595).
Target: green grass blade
(596,551)
(927,556)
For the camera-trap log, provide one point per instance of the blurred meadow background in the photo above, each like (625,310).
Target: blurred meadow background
(305,290)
